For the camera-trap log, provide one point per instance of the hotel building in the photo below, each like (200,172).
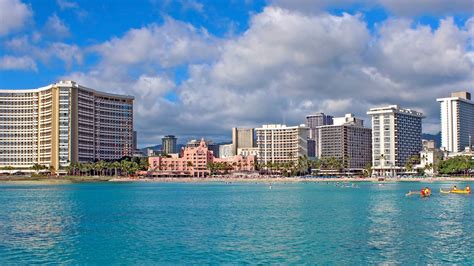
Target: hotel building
(281,144)
(61,123)
(348,140)
(225,151)
(242,138)
(169,144)
(396,136)
(457,121)
(193,162)
(313,122)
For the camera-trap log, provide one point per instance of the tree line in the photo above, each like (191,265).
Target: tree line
(124,167)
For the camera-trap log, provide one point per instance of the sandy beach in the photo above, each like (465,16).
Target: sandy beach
(288,180)
(220,179)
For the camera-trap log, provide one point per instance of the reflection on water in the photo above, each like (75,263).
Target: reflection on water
(451,238)
(384,232)
(36,223)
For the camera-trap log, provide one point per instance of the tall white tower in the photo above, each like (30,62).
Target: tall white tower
(396,136)
(457,121)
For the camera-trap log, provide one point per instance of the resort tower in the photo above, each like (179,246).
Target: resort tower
(62,123)
(396,137)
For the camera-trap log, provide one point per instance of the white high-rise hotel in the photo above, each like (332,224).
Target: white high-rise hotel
(62,123)
(457,121)
(396,136)
(281,144)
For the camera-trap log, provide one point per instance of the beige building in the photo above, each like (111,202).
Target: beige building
(347,140)
(281,144)
(242,138)
(61,123)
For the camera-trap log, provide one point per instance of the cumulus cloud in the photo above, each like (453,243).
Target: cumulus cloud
(173,43)
(13,15)
(45,52)
(286,65)
(9,62)
(420,55)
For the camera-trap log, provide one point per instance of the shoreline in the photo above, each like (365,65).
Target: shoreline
(93,179)
(289,180)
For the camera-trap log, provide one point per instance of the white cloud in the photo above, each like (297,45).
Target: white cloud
(286,65)
(45,52)
(9,62)
(56,28)
(13,15)
(170,44)
(422,56)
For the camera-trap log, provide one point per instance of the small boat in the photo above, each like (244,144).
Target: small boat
(457,191)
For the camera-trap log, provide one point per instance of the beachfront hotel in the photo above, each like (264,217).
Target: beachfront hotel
(193,161)
(396,136)
(169,144)
(313,122)
(242,138)
(281,144)
(62,123)
(348,140)
(457,121)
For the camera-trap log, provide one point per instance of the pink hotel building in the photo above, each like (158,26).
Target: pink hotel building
(192,161)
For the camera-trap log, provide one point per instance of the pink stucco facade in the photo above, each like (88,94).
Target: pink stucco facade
(238,162)
(193,161)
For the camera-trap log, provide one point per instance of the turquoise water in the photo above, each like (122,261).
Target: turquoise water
(143,223)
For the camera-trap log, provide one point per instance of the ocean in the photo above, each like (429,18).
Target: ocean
(293,223)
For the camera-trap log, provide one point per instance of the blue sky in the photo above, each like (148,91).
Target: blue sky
(198,68)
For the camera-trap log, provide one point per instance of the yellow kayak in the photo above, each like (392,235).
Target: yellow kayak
(459,191)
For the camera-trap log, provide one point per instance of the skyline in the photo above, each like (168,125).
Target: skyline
(205,67)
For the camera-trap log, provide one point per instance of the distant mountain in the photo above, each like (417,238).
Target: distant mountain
(158,147)
(155,148)
(179,146)
(435,137)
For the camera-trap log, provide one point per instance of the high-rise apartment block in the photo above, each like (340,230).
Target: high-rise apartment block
(347,140)
(396,137)
(457,121)
(313,122)
(281,144)
(62,123)
(242,138)
(169,144)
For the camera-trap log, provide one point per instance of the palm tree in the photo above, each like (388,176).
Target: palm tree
(124,167)
(37,167)
(428,167)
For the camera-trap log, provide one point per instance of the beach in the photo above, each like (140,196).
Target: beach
(220,179)
(288,179)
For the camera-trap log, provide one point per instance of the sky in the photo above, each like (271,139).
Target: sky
(197,68)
